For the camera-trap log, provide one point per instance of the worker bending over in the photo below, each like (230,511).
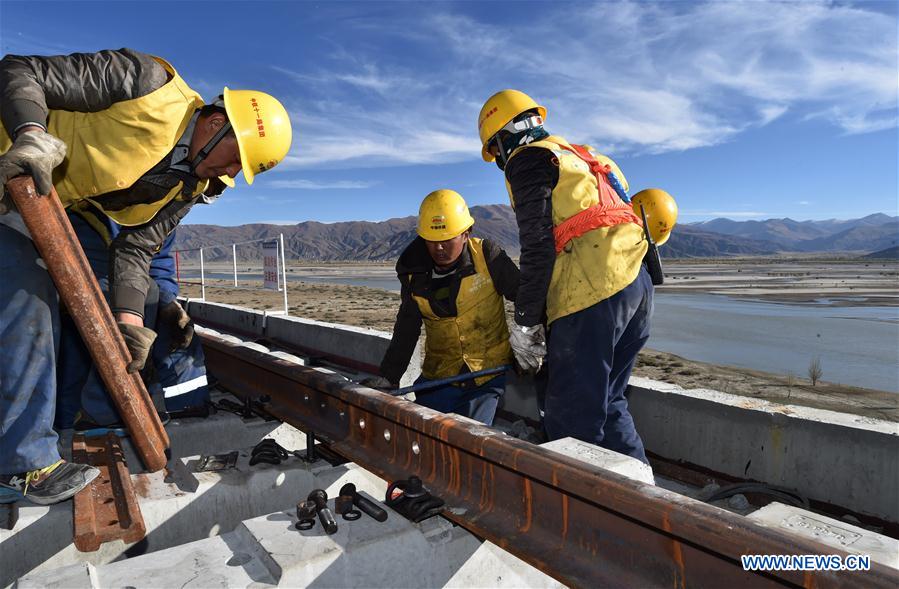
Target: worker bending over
(582,271)
(138,145)
(455,284)
(175,373)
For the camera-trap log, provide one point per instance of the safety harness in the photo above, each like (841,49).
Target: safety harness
(612,209)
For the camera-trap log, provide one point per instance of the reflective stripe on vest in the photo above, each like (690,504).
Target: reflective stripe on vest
(477,336)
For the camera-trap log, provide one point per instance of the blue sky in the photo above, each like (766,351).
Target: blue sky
(745,110)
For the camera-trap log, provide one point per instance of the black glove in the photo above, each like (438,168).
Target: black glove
(139,340)
(178,324)
(35,153)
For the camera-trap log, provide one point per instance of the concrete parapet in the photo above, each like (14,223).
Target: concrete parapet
(357,344)
(246,321)
(846,460)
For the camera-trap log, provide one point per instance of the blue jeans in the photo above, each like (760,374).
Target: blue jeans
(29,341)
(590,355)
(181,374)
(78,384)
(478,403)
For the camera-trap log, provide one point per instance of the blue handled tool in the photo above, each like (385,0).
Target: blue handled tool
(432,384)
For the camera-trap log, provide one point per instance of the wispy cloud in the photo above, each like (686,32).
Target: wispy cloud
(24,44)
(627,77)
(312,185)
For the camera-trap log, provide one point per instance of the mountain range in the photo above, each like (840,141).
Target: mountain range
(385,240)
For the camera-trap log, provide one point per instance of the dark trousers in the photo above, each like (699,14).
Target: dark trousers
(590,355)
(478,403)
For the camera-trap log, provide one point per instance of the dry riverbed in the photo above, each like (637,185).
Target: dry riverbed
(769,280)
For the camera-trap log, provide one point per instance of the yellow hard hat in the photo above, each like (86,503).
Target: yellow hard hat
(443,215)
(262,127)
(499,109)
(661,212)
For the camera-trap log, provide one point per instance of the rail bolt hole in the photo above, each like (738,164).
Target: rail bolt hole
(387,434)
(361,423)
(416,449)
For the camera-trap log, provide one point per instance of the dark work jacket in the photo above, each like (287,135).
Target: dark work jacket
(532,176)
(417,262)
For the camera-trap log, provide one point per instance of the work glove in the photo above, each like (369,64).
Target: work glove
(35,153)
(178,324)
(528,346)
(139,340)
(377,382)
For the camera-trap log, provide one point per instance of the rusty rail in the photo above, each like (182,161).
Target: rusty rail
(58,245)
(585,526)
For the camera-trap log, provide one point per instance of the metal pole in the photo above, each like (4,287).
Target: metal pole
(202,277)
(284,274)
(234,255)
(433,384)
(60,249)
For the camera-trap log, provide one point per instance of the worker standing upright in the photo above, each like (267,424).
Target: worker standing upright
(582,271)
(138,145)
(455,284)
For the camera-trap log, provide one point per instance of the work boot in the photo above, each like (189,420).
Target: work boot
(48,485)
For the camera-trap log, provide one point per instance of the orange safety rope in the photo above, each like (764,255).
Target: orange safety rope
(609,211)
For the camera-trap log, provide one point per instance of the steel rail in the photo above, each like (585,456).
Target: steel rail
(60,249)
(585,526)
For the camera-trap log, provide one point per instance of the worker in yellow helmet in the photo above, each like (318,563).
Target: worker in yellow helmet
(582,272)
(455,284)
(660,210)
(138,148)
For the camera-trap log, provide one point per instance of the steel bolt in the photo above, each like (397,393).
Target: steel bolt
(320,498)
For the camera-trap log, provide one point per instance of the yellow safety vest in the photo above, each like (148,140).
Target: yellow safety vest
(602,261)
(477,336)
(111,149)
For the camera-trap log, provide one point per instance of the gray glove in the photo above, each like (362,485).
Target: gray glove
(178,324)
(377,382)
(139,340)
(35,153)
(528,346)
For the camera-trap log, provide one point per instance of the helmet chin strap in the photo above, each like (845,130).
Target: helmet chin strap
(501,158)
(210,145)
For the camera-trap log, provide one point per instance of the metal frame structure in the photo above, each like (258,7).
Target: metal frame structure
(583,525)
(282,273)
